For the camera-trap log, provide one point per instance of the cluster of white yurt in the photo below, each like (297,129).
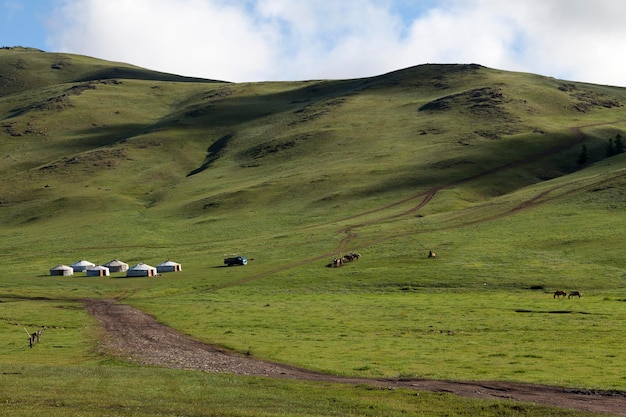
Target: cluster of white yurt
(92,270)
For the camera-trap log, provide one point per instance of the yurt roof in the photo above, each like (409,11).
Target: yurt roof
(82,262)
(168,263)
(142,266)
(115,262)
(61,268)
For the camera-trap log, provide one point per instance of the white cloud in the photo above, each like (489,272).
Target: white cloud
(480,35)
(334,39)
(257,40)
(190,37)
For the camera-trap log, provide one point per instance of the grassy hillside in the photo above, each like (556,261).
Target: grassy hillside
(104,160)
(235,160)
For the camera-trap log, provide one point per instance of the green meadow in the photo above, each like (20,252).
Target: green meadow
(103,160)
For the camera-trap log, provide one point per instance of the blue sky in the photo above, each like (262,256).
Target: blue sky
(23,22)
(281,40)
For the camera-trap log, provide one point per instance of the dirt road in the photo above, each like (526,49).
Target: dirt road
(138,337)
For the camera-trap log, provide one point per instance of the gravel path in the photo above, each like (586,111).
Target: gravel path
(138,337)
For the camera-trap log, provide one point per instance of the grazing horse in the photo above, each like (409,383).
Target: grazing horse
(559,294)
(36,337)
(337,262)
(574,294)
(431,254)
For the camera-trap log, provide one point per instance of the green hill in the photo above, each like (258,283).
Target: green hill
(505,175)
(26,69)
(112,134)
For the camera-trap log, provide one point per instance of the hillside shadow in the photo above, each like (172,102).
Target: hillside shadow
(213,153)
(551,311)
(97,136)
(235,110)
(142,74)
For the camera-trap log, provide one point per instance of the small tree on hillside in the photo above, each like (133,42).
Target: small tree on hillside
(615,147)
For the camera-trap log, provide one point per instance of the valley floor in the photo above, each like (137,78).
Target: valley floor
(138,337)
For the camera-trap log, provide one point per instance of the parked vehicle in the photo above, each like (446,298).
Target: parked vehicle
(235,260)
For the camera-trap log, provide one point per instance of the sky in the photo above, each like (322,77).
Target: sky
(285,40)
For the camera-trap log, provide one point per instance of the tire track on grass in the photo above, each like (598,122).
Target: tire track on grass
(427,196)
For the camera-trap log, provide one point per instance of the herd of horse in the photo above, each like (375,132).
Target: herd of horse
(337,262)
(353,256)
(572,294)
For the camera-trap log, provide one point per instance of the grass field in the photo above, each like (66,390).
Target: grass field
(108,391)
(102,161)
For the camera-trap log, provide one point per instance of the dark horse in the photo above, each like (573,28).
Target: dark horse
(559,294)
(575,294)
